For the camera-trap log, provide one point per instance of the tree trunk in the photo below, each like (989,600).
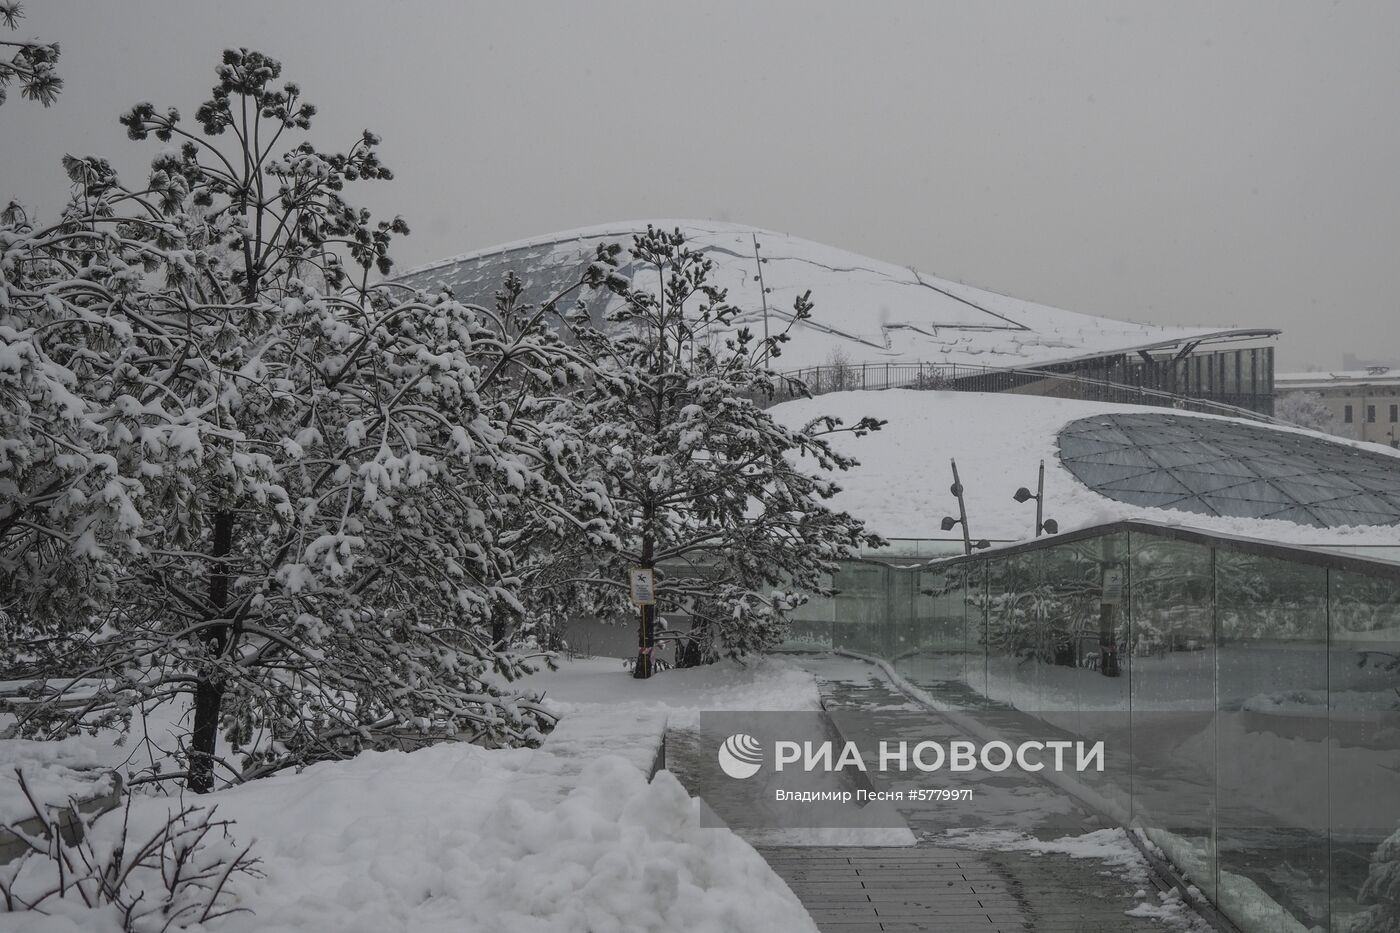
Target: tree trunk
(209,689)
(208,699)
(690,654)
(646,644)
(646,632)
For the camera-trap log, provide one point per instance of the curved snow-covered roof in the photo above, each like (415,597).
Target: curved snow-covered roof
(872,311)
(901,486)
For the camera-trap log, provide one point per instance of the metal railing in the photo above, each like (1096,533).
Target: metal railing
(962,377)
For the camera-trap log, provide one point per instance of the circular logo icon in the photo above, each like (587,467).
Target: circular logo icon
(740,756)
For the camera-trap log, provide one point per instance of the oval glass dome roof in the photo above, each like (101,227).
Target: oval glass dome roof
(1228,468)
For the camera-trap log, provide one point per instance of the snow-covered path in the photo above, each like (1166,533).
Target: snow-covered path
(1025,857)
(573,837)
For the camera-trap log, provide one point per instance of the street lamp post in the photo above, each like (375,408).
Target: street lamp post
(949,522)
(1048,525)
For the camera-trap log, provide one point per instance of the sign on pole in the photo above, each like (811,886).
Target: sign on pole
(643,586)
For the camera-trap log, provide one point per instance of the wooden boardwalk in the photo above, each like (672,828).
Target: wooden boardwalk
(864,890)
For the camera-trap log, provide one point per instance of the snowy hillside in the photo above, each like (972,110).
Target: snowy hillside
(872,311)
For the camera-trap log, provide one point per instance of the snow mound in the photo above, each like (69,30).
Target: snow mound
(456,837)
(567,838)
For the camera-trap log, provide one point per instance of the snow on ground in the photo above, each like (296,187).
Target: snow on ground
(584,684)
(1123,860)
(1112,846)
(459,838)
(1171,910)
(998,440)
(81,766)
(53,773)
(569,837)
(1325,702)
(603,705)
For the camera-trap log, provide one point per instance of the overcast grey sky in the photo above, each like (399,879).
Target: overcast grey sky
(1205,162)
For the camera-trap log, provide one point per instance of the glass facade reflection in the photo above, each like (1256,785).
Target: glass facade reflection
(1249,695)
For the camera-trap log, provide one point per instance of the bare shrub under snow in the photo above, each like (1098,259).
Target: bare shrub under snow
(169,875)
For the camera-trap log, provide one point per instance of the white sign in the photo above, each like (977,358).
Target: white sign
(1112,586)
(643,586)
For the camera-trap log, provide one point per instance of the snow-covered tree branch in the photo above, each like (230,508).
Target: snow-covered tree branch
(29,63)
(238,472)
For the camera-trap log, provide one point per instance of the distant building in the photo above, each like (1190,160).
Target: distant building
(881,326)
(1365,403)
(1351,361)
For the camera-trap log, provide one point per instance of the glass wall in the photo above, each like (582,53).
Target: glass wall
(1362,708)
(1248,695)
(1237,377)
(863,610)
(1172,678)
(1271,791)
(934,636)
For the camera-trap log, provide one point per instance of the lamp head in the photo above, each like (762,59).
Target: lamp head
(1023,494)
(1051,526)
(949,523)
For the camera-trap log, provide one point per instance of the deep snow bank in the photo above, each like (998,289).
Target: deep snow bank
(567,838)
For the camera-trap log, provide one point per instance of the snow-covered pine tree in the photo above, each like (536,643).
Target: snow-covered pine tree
(74,440)
(1305,409)
(1380,893)
(30,64)
(539,408)
(711,492)
(295,483)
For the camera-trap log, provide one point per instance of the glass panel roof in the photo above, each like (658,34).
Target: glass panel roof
(1232,469)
